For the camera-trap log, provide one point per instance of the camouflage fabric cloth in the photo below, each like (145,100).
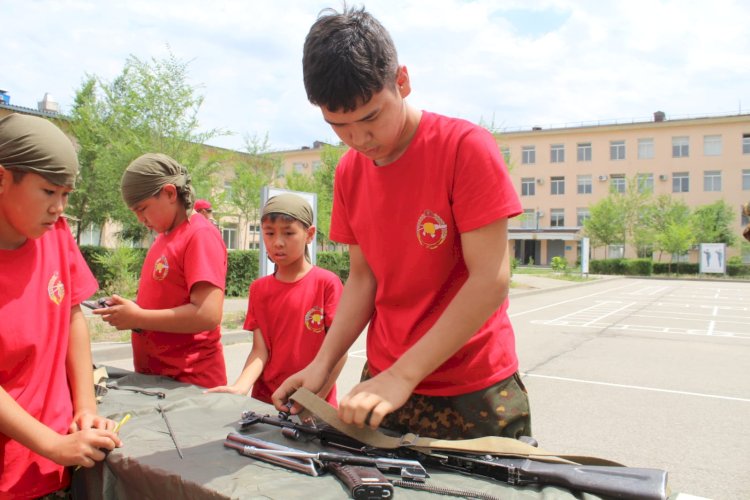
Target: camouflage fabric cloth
(499,410)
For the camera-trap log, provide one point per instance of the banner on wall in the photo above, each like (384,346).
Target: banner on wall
(712,258)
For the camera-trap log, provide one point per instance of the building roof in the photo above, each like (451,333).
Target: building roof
(32,111)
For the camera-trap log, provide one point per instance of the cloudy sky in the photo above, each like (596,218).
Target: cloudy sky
(511,64)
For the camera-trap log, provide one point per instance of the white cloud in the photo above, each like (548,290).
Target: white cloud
(516,64)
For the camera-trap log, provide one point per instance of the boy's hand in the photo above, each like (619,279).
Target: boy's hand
(121,313)
(86,419)
(312,377)
(370,401)
(83,448)
(231,389)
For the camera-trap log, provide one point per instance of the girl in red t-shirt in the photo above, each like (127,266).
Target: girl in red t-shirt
(176,317)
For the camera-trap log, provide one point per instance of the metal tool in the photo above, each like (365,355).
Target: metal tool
(171,432)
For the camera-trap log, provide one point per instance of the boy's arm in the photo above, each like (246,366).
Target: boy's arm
(80,376)
(204,312)
(254,365)
(485,252)
(354,311)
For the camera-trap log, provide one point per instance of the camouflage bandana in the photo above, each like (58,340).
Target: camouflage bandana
(149,173)
(33,144)
(291,205)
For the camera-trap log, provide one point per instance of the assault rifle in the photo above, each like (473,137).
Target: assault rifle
(609,481)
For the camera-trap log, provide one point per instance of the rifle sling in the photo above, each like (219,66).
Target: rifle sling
(493,445)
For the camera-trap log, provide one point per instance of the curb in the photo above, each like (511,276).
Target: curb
(572,284)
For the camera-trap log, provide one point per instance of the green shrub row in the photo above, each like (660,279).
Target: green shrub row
(627,267)
(117,269)
(646,267)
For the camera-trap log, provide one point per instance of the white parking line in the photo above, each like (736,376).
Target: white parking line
(637,387)
(606,292)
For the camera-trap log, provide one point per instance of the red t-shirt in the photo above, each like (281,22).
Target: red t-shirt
(39,283)
(407,217)
(293,319)
(191,253)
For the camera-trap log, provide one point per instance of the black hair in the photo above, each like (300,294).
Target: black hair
(347,58)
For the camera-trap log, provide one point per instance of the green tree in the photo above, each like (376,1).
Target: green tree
(323,177)
(676,238)
(606,224)
(149,107)
(669,214)
(634,206)
(713,223)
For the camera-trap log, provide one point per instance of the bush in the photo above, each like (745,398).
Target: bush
(675,268)
(608,266)
(559,264)
(116,269)
(336,262)
(242,269)
(638,267)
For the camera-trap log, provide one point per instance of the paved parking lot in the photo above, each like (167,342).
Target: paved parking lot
(650,373)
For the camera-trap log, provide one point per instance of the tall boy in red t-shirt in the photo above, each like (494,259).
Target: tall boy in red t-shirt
(423,202)
(290,311)
(48,417)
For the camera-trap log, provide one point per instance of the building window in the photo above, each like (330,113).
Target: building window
(528,155)
(299,167)
(316,165)
(91,235)
(616,150)
(528,219)
(746,144)
(227,191)
(645,183)
(582,214)
(680,147)
(505,150)
(712,145)
(680,182)
(229,234)
(584,184)
(616,251)
(617,183)
(557,217)
(712,180)
(557,185)
(584,151)
(557,153)
(745,180)
(528,186)
(645,149)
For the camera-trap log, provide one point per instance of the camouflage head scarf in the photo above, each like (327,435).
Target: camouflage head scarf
(149,173)
(291,205)
(33,144)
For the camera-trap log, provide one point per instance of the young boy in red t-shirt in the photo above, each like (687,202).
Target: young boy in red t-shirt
(48,416)
(290,311)
(423,202)
(176,318)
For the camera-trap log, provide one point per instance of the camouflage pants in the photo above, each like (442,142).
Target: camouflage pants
(499,410)
(57,495)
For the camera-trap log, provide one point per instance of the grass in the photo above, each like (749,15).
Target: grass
(573,274)
(101,331)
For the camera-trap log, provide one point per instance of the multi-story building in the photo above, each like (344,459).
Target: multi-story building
(560,172)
